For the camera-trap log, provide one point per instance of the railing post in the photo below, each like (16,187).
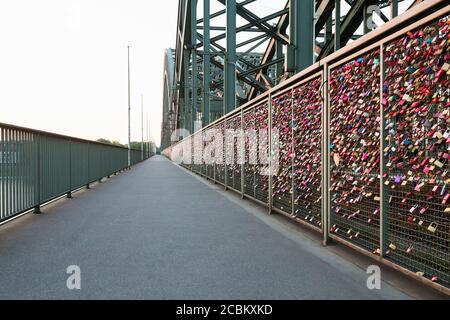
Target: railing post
(242,147)
(383,167)
(326,214)
(292,155)
(37,207)
(69,193)
(269,106)
(225,153)
(88,167)
(215,161)
(255,166)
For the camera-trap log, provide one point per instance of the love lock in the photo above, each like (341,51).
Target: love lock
(432,227)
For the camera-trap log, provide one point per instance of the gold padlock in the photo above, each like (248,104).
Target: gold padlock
(392,246)
(432,227)
(420,273)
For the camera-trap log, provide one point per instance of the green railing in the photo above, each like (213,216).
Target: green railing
(359,146)
(37,166)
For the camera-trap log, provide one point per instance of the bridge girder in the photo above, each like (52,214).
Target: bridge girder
(313,34)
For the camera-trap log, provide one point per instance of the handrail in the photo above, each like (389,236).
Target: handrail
(57,135)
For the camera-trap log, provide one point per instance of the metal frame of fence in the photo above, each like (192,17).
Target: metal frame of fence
(356,179)
(37,167)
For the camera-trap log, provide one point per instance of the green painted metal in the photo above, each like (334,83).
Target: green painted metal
(206,62)
(394,8)
(194,77)
(37,167)
(187,100)
(301,15)
(230,58)
(337,27)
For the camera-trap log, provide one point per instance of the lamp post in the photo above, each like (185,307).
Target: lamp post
(129,112)
(142,127)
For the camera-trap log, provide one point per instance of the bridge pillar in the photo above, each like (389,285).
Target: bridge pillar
(194,73)
(230,58)
(206,61)
(300,53)
(187,120)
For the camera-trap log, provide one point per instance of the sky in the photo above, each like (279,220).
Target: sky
(63,65)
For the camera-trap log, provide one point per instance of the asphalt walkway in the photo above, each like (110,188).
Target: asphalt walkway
(157,232)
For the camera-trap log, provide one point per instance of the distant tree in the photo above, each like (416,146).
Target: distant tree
(101,140)
(117,143)
(135,145)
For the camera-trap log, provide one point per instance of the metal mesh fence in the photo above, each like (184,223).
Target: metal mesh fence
(220,159)
(251,151)
(355,150)
(261,168)
(307,134)
(282,173)
(387,117)
(416,101)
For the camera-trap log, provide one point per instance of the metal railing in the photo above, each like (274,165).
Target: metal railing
(363,145)
(37,167)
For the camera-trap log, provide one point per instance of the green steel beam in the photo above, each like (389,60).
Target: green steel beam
(187,120)
(221,12)
(252,18)
(206,63)
(337,26)
(301,17)
(394,8)
(250,81)
(194,78)
(230,58)
(279,55)
(249,25)
(249,41)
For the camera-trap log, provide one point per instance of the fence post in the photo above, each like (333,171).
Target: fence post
(269,106)
(326,214)
(383,168)
(225,153)
(292,155)
(69,193)
(37,207)
(88,169)
(242,146)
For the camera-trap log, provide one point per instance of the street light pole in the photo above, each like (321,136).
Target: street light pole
(142,127)
(147,144)
(129,112)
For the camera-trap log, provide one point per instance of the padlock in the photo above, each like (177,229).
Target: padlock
(413,209)
(445,200)
(423,210)
(420,273)
(432,227)
(409,250)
